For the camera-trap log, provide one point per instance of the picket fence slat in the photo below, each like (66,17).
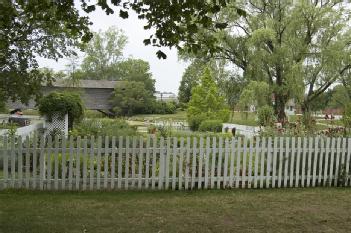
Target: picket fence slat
(249,185)
(187,164)
(256,162)
(326,156)
(133,176)
(105,159)
(48,159)
(331,166)
(174,164)
(113,162)
(147,162)
(303,170)
(41,163)
(140,162)
(85,170)
(5,162)
(243,180)
(181,161)
(167,168)
(238,166)
(162,165)
(315,160)
(27,164)
(75,163)
(120,158)
(154,158)
(338,150)
(321,158)
(262,164)
(225,167)
(207,157)
(292,162)
(348,161)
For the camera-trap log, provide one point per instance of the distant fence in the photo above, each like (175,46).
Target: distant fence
(173,163)
(176,125)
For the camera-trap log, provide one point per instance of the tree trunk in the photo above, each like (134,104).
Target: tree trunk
(279,108)
(306,113)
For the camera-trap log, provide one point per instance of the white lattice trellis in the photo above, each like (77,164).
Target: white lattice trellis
(57,124)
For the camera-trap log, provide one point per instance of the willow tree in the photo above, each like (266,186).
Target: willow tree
(300,48)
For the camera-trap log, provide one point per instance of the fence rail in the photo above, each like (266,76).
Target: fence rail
(173,163)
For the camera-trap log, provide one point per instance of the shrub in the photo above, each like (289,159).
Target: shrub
(160,107)
(211,125)
(103,127)
(195,121)
(265,115)
(62,103)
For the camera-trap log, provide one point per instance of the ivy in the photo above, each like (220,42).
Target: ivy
(62,103)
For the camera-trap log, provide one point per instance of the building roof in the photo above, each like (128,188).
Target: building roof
(101,84)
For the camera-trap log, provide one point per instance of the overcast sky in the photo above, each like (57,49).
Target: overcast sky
(167,73)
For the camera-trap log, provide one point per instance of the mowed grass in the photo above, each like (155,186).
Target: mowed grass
(242,118)
(285,210)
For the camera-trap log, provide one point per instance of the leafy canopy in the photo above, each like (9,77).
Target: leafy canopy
(29,29)
(131,98)
(102,52)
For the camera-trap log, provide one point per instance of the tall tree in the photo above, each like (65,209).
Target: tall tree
(104,50)
(290,46)
(190,79)
(131,98)
(229,83)
(135,70)
(206,103)
(35,28)
(339,97)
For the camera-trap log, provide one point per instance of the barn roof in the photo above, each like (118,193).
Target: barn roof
(99,84)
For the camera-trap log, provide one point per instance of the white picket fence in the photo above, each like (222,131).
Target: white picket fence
(173,163)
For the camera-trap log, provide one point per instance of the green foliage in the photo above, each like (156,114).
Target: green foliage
(190,78)
(161,107)
(103,127)
(93,114)
(346,118)
(206,103)
(62,103)
(31,29)
(339,97)
(255,94)
(265,115)
(211,126)
(277,42)
(131,98)
(104,50)
(135,70)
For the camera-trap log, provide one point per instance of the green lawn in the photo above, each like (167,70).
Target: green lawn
(285,210)
(179,116)
(242,118)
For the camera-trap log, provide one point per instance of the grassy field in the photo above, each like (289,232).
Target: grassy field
(285,210)
(242,119)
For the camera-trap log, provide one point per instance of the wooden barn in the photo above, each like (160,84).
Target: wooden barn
(96,94)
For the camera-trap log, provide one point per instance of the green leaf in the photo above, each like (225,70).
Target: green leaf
(161,54)
(123,14)
(147,41)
